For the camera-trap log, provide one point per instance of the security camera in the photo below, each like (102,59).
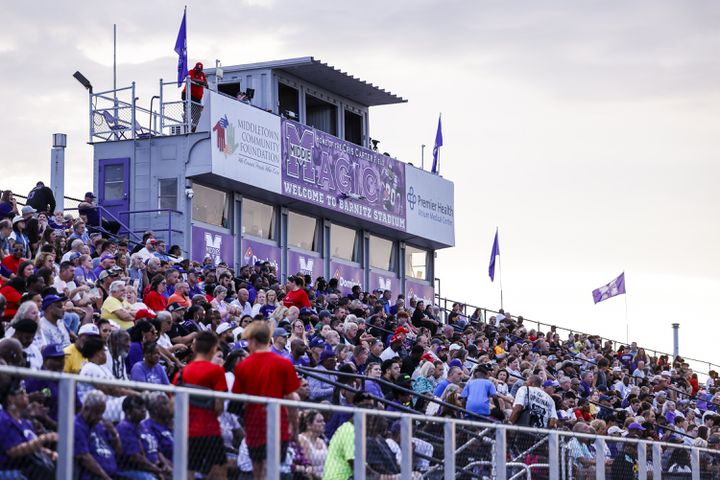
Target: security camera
(189,192)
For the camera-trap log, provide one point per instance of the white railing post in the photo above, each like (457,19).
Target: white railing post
(695,463)
(92,118)
(273,441)
(188,105)
(66,429)
(642,460)
(406,447)
(162,110)
(360,452)
(657,461)
(132,112)
(554,455)
(180,435)
(599,458)
(500,453)
(449,455)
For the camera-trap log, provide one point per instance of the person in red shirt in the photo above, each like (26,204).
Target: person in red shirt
(206,451)
(12,261)
(154,299)
(197,88)
(252,378)
(296,294)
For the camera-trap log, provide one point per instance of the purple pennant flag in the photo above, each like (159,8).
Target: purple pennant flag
(612,289)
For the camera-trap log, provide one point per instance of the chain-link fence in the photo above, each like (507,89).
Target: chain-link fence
(86,427)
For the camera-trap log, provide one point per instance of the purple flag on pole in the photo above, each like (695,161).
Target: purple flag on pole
(495,252)
(181,50)
(436,148)
(612,289)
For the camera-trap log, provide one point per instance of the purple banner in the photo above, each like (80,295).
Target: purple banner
(347,275)
(254,251)
(421,291)
(307,264)
(210,243)
(384,281)
(323,170)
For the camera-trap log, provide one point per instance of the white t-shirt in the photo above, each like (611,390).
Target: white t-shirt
(90,370)
(540,404)
(34,357)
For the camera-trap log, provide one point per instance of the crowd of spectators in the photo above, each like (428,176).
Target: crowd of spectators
(76,298)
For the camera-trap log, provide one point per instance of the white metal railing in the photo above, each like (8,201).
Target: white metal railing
(464,446)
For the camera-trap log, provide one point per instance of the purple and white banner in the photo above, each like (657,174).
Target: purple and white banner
(305,263)
(219,246)
(347,275)
(612,289)
(254,251)
(384,281)
(420,290)
(323,170)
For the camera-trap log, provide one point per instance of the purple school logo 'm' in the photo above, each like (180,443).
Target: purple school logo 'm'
(213,247)
(300,151)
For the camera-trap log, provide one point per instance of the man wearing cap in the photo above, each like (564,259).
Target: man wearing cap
(47,391)
(279,345)
(41,198)
(178,333)
(115,307)
(19,236)
(31,225)
(74,360)
(91,213)
(52,324)
(225,335)
(393,350)
(25,329)
(320,390)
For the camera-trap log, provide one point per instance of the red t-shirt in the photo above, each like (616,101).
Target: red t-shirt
(12,263)
(264,374)
(155,301)
(298,298)
(203,421)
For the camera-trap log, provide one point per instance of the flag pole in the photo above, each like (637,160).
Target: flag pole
(627,323)
(500,277)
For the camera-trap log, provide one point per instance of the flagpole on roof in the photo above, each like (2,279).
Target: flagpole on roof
(497,229)
(627,323)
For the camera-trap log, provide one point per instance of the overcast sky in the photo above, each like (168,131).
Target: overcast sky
(587,131)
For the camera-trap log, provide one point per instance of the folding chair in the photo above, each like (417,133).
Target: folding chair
(115,127)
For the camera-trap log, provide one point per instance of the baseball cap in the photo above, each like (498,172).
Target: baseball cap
(53,350)
(89,329)
(324,314)
(454,347)
(90,195)
(109,272)
(402,330)
(28,209)
(175,306)
(223,327)
(636,426)
(615,430)
(280,332)
(404,380)
(145,313)
(106,257)
(317,342)
(18,218)
(455,363)
(50,299)
(326,354)
(550,383)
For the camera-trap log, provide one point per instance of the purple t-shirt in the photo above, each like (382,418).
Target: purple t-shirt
(135,355)
(136,439)
(163,436)
(143,373)
(14,432)
(96,441)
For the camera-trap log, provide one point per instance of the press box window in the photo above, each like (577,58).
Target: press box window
(321,114)
(258,219)
(167,193)
(210,206)
(382,253)
(416,262)
(302,232)
(114,182)
(344,243)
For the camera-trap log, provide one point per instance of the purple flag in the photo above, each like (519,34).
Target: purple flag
(495,252)
(181,50)
(436,148)
(614,288)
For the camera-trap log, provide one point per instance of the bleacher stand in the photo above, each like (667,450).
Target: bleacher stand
(96,304)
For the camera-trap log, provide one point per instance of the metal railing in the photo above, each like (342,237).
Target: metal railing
(169,230)
(445,304)
(427,447)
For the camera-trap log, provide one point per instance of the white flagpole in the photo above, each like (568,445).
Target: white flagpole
(627,323)
(500,272)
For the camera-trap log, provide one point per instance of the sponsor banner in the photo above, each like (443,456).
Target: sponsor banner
(323,170)
(245,142)
(430,204)
(420,290)
(254,251)
(347,275)
(219,246)
(305,263)
(384,281)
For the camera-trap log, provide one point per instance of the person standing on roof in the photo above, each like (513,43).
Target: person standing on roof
(198,83)
(41,198)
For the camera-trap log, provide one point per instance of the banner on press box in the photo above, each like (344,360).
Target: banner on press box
(430,206)
(383,282)
(347,275)
(210,243)
(245,142)
(323,170)
(421,291)
(305,263)
(260,252)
